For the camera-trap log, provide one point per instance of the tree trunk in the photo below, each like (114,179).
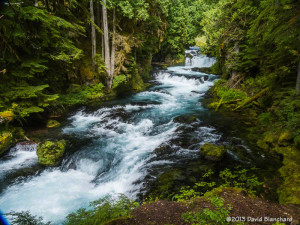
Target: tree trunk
(36,4)
(93,33)
(113,49)
(106,43)
(298,81)
(100,25)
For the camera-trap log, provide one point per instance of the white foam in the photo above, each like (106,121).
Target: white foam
(20,156)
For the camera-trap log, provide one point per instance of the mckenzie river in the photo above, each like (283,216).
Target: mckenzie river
(124,145)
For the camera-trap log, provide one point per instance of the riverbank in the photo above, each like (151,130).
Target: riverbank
(269,115)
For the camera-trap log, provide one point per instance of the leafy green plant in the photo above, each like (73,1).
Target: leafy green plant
(25,218)
(208,216)
(102,211)
(240,179)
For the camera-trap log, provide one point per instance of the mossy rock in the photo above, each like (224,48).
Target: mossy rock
(212,152)
(289,191)
(167,183)
(285,138)
(268,141)
(7,115)
(50,153)
(6,141)
(185,119)
(53,124)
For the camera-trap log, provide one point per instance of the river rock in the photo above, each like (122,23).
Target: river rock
(50,153)
(185,119)
(6,140)
(53,124)
(212,152)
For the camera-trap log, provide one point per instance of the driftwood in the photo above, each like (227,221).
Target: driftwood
(252,99)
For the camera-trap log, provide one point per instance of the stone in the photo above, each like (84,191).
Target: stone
(212,152)
(185,119)
(6,140)
(50,153)
(53,124)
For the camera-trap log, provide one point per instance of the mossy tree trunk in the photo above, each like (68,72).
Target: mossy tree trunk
(113,50)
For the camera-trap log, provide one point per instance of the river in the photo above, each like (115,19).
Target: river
(112,147)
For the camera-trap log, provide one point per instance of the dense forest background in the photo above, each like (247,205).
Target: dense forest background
(60,53)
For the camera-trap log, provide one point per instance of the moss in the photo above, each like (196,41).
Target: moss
(6,140)
(165,183)
(53,124)
(268,141)
(7,115)
(219,190)
(285,138)
(50,153)
(297,141)
(289,191)
(212,152)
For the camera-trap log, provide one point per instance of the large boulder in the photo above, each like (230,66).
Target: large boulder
(212,152)
(6,140)
(50,153)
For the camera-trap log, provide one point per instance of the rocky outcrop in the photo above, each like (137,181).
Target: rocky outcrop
(6,140)
(212,152)
(50,153)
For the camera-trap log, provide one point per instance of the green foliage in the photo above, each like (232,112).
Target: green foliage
(208,216)
(25,218)
(183,18)
(228,94)
(120,79)
(239,178)
(81,94)
(102,211)
(265,118)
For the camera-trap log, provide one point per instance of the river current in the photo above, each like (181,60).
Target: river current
(113,148)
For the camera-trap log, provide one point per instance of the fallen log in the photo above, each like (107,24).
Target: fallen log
(252,99)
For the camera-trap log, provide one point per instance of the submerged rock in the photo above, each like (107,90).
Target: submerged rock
(212,152)
(53,124)
(6,140)
(50,153)
(185,119)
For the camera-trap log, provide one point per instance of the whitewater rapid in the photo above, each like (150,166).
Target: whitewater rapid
(116,146)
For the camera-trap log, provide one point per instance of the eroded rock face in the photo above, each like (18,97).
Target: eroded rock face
(212,152)
(6,140)
(50,153)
